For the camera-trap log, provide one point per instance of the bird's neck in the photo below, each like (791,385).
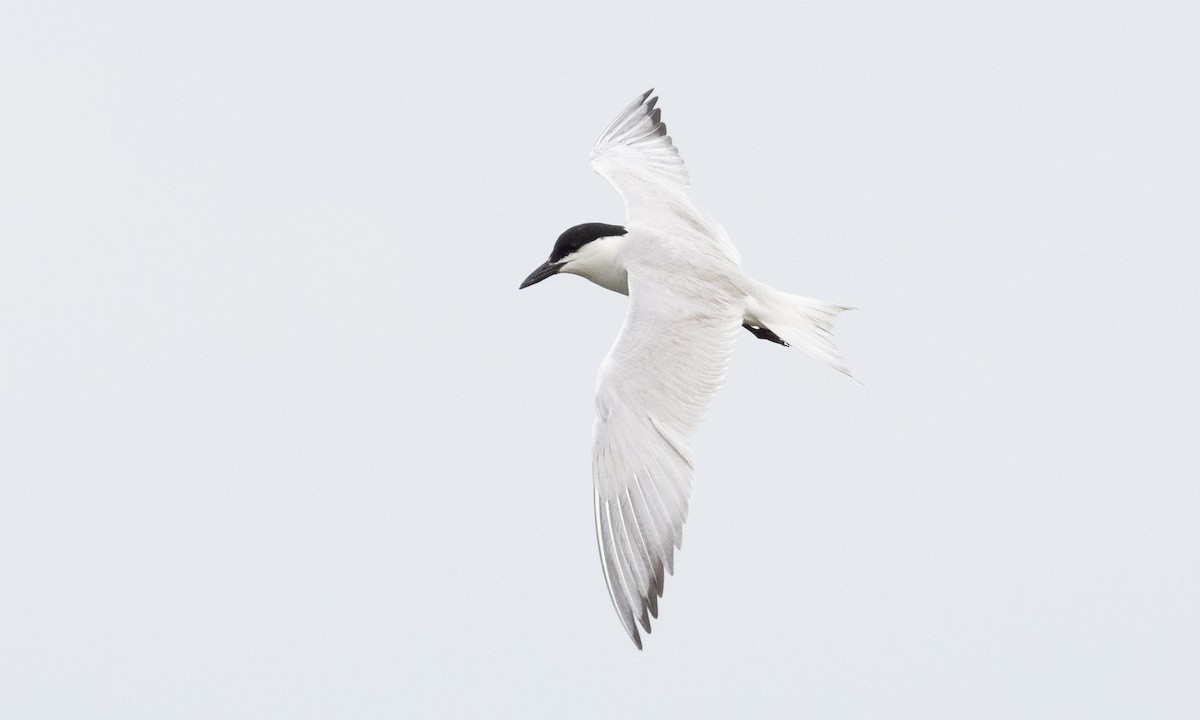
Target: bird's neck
(602,261)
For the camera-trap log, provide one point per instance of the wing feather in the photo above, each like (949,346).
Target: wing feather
(638,158)
(655,386)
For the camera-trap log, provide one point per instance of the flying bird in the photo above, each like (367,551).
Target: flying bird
(688,297)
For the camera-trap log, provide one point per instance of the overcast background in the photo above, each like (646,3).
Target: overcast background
(280,438)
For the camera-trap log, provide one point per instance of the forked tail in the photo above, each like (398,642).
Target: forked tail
(801,322)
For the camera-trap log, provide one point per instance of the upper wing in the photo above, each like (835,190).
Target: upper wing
(655,385)
(635,155)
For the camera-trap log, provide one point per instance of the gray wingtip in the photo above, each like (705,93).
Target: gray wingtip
(644,619)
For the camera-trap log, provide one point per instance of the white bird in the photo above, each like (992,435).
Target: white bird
(687,298)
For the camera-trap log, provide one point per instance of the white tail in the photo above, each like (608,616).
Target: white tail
(802,322)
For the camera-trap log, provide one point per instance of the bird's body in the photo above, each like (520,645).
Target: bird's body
(688,297)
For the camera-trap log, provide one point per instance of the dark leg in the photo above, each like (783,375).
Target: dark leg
(763,333)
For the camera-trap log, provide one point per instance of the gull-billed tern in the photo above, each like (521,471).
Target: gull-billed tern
(688,297)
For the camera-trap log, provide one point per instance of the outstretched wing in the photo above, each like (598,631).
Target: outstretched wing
(636,156)
(655,386)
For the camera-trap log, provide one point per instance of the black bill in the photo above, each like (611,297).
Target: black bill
(544,271)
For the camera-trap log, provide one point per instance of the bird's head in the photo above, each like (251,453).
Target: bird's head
(591,250)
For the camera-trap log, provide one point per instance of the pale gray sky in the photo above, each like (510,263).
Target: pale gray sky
(280,438)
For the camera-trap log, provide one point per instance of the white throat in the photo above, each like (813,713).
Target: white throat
(603,262)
